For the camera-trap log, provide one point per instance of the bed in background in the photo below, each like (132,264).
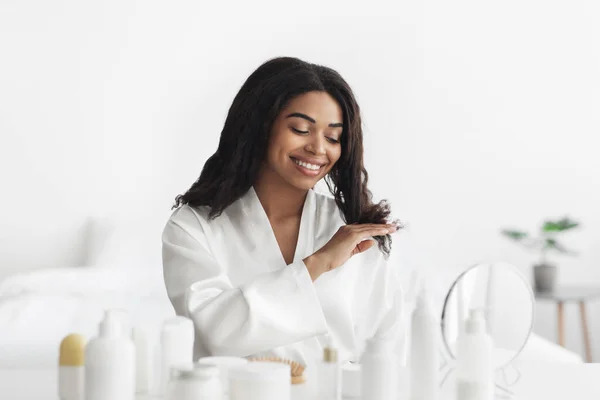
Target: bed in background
(123,270)
(38,309)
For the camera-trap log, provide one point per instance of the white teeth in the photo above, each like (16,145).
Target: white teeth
(307,165)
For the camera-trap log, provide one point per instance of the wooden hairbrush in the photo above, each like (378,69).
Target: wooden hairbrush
(296,368)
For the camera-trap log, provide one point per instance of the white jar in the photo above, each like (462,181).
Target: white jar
(260,381)
(224,364)
(200,382)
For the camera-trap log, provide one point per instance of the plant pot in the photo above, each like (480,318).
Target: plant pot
(544,277)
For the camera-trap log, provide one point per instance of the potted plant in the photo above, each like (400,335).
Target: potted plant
(544,272)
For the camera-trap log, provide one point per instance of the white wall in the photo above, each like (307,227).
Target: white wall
(479,115)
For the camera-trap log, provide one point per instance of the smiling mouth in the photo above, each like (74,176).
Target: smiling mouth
(308,166)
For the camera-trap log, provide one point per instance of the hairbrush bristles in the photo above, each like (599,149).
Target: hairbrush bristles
(297,369)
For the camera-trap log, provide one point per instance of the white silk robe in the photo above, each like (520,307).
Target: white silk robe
(228,275)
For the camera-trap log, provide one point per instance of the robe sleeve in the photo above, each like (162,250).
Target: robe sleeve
(277,308)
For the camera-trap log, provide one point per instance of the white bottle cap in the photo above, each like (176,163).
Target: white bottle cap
(111,325)
(476,322)
(423,302)
(124,319)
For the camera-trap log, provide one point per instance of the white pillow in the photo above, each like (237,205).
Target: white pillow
(97,231)
(126,242)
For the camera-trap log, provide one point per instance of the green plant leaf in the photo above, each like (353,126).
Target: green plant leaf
(515,235)
(553,244)
(561,225)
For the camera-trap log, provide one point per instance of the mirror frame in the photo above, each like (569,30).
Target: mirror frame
(453,285)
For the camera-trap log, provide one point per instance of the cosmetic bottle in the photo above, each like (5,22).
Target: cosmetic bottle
(176,347)
(110,363)
(351,380)
(71,368)
(474,370)
(330,374)
(378,370)
(142,361)
(424,356)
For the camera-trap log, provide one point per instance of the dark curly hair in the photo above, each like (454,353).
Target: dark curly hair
(233,168)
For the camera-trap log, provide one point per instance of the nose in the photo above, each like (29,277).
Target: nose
(316,145)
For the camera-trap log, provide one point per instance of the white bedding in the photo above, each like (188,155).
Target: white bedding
(38,309)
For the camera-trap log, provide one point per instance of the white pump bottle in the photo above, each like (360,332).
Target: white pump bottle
(110,363)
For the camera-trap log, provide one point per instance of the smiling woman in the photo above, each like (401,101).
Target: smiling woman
(259,261)
(306,138)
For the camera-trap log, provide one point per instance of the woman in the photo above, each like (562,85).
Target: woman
(259,261)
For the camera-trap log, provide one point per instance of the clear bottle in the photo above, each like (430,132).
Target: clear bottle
(378,370)
(110,363)
(330,374)
(424,358)
(474,370)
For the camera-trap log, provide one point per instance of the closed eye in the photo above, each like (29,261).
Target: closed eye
(332,140)
(299,131)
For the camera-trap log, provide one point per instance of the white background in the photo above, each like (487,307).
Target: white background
(478,116)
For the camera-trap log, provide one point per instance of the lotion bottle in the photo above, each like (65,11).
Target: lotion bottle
(142,361)
(474,371)
(378,370)
(424,359)
(110,363)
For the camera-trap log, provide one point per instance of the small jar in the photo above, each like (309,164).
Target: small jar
(260,381)
(198,382)
(224,364)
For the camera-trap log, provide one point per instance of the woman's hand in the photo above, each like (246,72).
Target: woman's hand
(347,241)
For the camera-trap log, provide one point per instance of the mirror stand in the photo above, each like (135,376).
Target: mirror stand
(507,298)
(502,381)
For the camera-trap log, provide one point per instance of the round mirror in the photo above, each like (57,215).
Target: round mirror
(507,300)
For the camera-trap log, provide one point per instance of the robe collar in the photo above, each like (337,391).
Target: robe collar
(261,226)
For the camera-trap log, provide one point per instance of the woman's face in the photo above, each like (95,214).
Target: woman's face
(304,142)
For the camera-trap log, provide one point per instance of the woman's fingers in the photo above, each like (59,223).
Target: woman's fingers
(365,245)
(374,231)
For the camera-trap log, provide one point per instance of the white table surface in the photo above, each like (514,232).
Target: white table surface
(542,381)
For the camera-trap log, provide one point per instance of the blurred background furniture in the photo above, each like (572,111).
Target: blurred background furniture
(579,294)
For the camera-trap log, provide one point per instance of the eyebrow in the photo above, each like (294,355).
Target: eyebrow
(306,117)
